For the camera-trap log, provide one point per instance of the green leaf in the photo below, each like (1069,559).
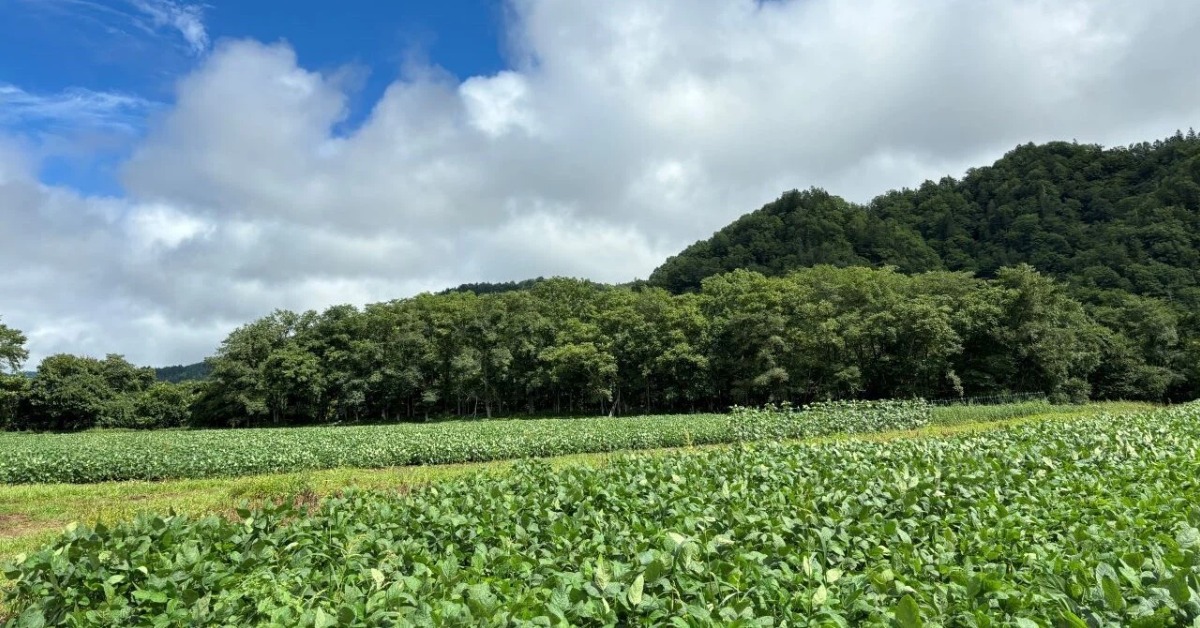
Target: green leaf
(883,578)
(1112,594)
(1188,537)
(31,618)
(819,597)
(148,595)
(1178,587)
(601,577)
(560,602)
(634,594)
(908,614)
(1160,619)
(1073,621)
(321,619)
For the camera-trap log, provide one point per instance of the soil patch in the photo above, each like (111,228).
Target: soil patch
(16,525)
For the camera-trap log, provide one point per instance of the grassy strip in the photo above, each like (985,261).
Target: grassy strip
(32,515)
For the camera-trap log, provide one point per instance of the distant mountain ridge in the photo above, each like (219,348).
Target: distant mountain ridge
(1124,218)
(183,373)
(494,288)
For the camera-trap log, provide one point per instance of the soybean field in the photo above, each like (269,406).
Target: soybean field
(1091,522)
(172,454)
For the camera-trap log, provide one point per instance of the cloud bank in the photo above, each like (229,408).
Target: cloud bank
(622,131)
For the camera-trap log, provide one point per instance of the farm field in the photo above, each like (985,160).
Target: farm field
(176,454)
(33,514)
(1082,522)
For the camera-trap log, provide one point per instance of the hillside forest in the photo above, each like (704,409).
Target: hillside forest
(1062,269)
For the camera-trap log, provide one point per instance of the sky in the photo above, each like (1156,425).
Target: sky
(170,169)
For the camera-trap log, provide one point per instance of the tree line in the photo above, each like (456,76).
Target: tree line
(69,392)
(567,346)
(570,347)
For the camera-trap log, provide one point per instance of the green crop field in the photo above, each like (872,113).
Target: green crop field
(1090,522)
(156,455)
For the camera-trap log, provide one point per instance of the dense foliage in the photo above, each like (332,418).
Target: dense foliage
(13,382)
(1120,226)
(70,393)
(104,456)
(12,350)
(570,346)
(1089,523)
(775,422)
(575,347)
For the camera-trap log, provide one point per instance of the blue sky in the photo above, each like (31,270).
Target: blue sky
(51,49)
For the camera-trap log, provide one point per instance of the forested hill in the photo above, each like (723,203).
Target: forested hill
(1102,219)
(183,373)
(494,288)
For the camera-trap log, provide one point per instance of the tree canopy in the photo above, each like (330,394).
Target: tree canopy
(13,382)
(12,350)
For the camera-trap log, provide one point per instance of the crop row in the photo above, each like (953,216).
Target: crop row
(109,456)
(1088,523)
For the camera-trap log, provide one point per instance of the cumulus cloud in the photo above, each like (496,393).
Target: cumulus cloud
(621,132)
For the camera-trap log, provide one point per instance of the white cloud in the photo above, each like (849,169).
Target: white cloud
(498,104)
(72,108)
(178,22)
(623,131)
(155,227)
(185,18)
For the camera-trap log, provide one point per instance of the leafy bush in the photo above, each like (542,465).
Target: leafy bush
(828,418)
(1088,523)
(963,413)
(13,388)
(164,405)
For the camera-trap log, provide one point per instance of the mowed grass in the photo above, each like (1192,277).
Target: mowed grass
(34,514)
